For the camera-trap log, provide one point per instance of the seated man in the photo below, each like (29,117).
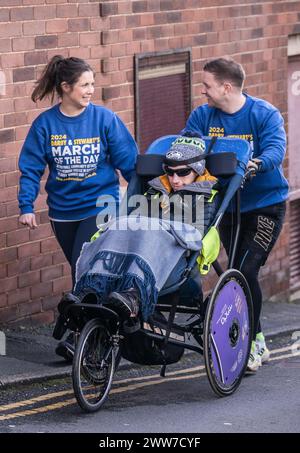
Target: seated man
(128,267)
(138,255)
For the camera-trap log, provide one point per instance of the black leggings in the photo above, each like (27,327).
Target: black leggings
(71,236)
(259,231)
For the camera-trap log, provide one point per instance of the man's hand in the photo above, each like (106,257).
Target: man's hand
(254,163)
(28,219)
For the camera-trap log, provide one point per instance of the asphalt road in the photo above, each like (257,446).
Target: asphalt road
(142,402)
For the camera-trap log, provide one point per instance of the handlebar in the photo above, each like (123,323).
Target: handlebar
(249,174)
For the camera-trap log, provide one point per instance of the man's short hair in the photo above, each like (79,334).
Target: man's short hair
(226,70)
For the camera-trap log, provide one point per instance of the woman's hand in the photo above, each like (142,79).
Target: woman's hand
(28,219)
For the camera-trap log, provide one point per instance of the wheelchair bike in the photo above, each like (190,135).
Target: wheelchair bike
(221,323)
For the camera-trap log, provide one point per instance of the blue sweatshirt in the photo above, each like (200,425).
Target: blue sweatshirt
(261,124)
(82,154)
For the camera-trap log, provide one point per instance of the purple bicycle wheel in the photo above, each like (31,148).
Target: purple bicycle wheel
(227,332)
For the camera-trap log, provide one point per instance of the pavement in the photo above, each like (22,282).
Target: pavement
(30,352)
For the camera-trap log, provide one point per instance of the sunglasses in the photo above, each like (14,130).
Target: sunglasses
(180,172)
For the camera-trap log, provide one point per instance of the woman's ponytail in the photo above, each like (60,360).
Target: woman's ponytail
(58,70)
(47,83)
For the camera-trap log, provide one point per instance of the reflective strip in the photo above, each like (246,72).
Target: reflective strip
(213,194)
(96,235)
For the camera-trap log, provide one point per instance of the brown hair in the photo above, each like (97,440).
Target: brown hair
(59,70)
(226,70)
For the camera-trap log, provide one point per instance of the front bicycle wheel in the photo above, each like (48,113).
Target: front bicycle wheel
(93,366)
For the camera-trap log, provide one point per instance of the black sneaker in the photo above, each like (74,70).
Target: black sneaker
(61,325)
(66,348)
(125,303)
(67,300)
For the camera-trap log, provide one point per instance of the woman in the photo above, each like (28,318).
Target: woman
(137,256)
(82,144)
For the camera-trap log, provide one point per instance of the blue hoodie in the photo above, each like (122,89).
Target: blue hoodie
(261,124)
(82,153)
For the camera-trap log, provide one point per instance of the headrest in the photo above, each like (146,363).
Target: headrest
(150,164)
(221,164)
(218,164)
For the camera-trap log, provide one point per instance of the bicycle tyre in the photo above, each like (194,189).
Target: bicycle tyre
(228,332)
(93,366)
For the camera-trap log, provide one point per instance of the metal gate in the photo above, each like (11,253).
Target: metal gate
(294,165)
(294,244)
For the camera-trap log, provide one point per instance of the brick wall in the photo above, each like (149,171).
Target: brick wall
(33,272)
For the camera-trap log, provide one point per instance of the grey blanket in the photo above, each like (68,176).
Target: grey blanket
(129,254)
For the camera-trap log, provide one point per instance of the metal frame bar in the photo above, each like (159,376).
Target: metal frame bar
(237,224)
(173,341)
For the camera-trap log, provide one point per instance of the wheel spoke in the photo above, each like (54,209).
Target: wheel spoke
(218,359)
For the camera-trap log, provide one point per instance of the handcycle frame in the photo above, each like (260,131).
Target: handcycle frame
(231,281)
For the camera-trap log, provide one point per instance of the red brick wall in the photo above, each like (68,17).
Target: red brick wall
(33,272)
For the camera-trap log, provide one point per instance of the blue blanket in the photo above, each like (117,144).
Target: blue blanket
(134,252)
